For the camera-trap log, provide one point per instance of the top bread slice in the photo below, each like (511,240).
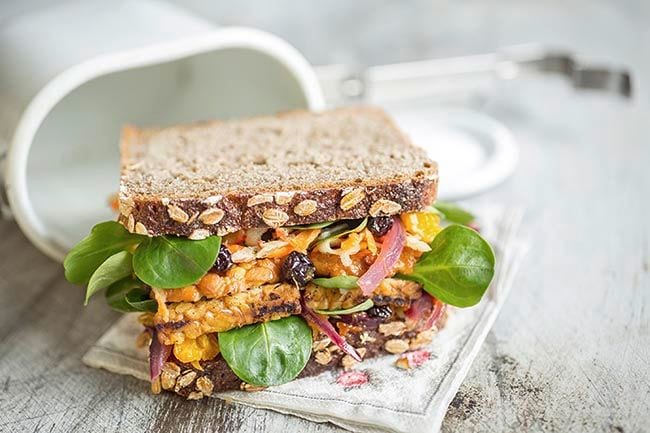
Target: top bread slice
(292,168)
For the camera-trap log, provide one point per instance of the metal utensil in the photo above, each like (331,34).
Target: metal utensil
(343,84)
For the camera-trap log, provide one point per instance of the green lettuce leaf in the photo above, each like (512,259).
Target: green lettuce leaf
(458,269)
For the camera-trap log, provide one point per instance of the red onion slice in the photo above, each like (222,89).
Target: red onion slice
(438,308)
(391,249)
(425,310)
(326,328)
(158,354)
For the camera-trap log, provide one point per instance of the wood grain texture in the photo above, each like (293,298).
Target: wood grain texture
(570,349)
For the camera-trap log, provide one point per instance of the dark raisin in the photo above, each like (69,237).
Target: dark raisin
(267,235)
(298,269)
(223,261)
(380,311)
(379,226)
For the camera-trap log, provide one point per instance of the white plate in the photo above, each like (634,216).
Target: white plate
(474,151)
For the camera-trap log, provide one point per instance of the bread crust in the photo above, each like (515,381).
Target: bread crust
(407,195)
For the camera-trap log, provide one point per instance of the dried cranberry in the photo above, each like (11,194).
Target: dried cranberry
(298,268)
(379,226)
(223,261)
(380,311)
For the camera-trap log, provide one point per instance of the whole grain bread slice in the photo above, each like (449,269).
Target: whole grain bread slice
(292,168)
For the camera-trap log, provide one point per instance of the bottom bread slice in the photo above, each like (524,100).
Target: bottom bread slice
(370,336)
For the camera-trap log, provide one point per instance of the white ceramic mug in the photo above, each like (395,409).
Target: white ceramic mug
(73,74)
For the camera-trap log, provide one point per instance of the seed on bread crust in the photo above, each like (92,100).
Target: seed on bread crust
(125,205)
(212,200)
(352,198)
(366,338)
(348,362)
(184,380)
(177,214)
(211,216)
(195,395)
(392,328)
(155,386)
(169,374)
(130,223)
(168,382)
(199,234)
(321,344)
(259,199)
(403,363)
(396,346)
(384,207)
(323,357)
(275,217)
(284,197)
(223,231)
(193,218)
(171,368)
(205,385)
(422,339)
(305,207)
(141,229)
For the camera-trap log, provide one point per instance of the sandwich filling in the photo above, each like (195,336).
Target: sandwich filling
(267,274)
(268,301)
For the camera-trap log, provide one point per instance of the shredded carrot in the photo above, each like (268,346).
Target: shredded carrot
(237,237)
(370,240)
(363,253)
(353,241)
(161,297)
(233,248)
(302,240)
(280,252)
(282,233)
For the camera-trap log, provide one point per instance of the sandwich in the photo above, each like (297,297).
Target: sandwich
(261,250)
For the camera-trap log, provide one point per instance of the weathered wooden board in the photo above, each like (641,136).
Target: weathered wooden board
(571,349)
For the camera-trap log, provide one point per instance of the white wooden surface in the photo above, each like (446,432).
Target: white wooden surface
(570,350)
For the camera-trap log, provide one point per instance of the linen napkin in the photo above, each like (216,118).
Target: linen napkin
(394,399)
